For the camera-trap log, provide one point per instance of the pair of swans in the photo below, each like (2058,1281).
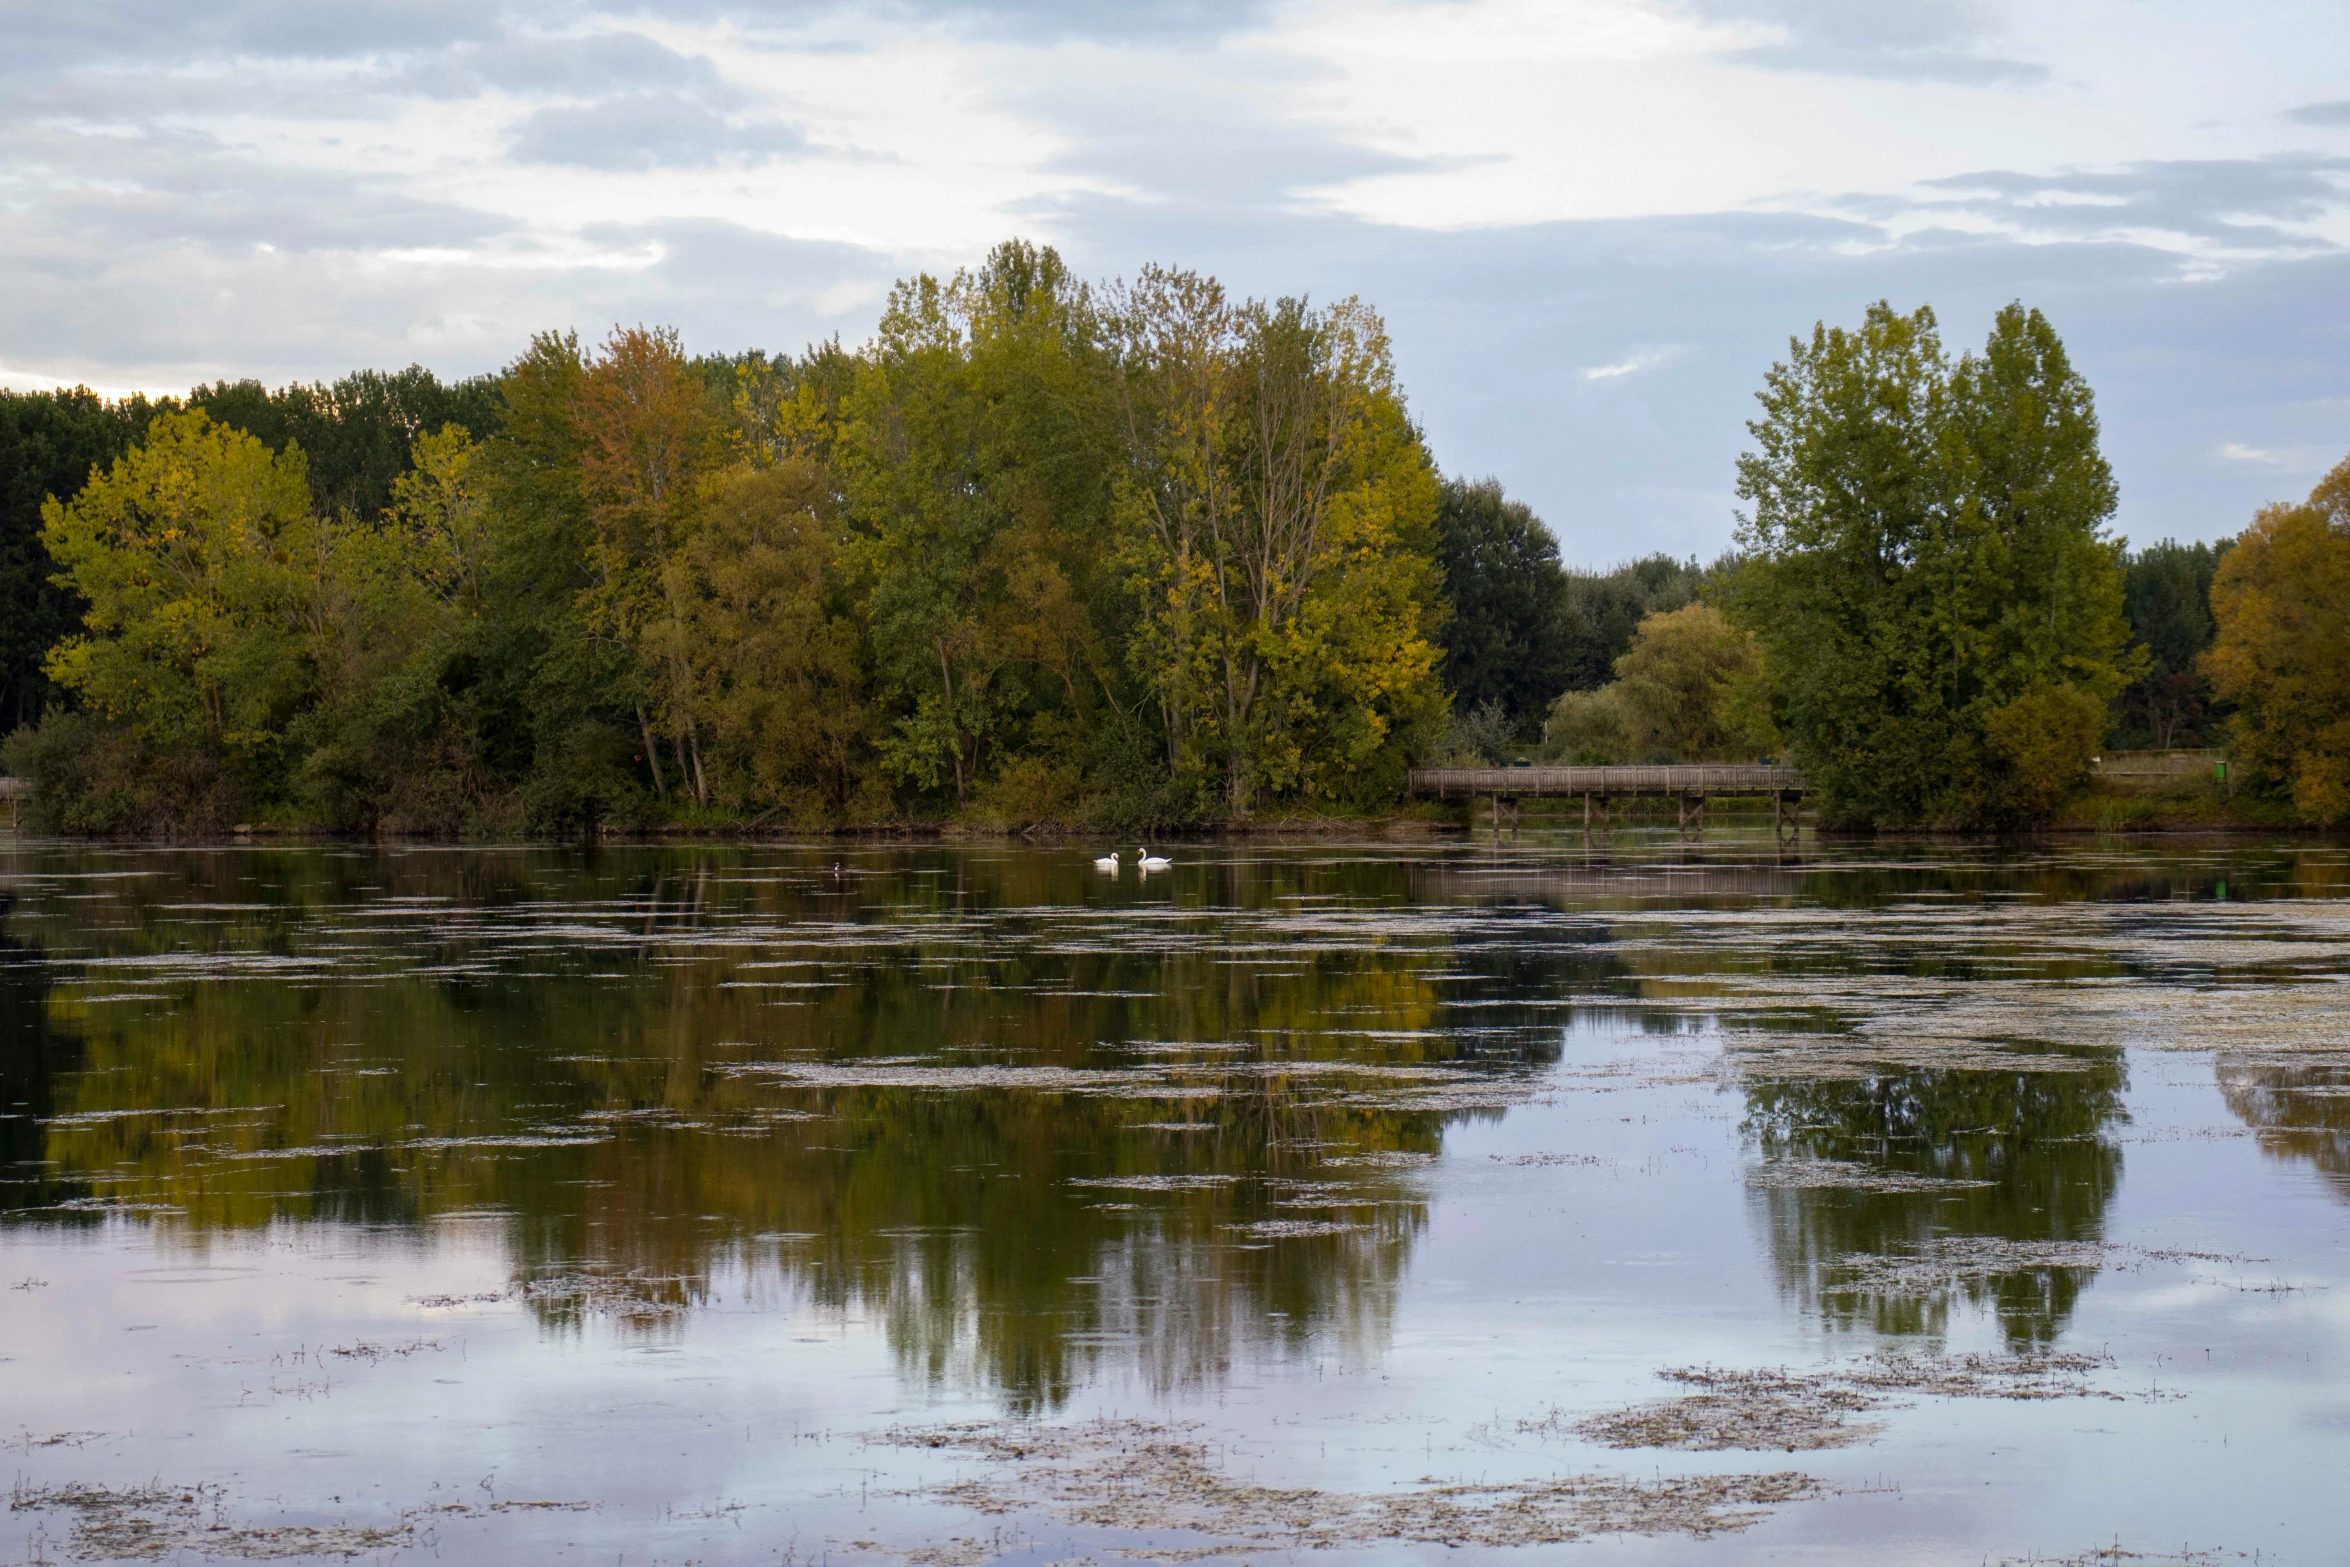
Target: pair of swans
(1144,860)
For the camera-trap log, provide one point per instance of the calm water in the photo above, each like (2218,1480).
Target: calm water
(953,1206)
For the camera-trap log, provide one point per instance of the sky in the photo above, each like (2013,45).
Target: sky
(1591,225)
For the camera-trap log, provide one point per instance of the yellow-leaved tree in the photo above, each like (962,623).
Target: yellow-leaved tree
(2281,601)
(1281,514)
(196,553)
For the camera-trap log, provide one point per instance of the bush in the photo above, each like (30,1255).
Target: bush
(1480,737)
(93,777)
(2048,738)
(1692,690)
(1589,728)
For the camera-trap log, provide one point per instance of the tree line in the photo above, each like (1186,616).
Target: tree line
(1138,555)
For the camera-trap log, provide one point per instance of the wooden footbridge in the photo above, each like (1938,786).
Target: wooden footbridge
(1692,786)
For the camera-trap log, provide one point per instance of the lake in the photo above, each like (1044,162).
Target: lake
(1644,1199)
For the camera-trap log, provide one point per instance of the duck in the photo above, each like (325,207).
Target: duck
(1108,862)
(1151,862)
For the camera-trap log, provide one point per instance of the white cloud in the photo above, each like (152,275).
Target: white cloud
(2284,459)
(1640,359)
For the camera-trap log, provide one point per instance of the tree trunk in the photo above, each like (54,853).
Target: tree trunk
(652,753)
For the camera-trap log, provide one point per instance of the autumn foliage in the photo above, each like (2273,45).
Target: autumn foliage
(2281,598)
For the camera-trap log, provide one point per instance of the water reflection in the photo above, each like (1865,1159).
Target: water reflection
(1031,1130)
(2299,1109)
(34,1056)
(2028,1145)
(1038,1121)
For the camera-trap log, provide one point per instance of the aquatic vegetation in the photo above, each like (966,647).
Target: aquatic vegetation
(1808,1410)
(1151,1476)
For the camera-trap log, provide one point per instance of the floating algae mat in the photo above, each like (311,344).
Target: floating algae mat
(1652,1199)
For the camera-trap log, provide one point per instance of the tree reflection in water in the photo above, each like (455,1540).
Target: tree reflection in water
(589,1061)
(2299,1109)
(2034,1138)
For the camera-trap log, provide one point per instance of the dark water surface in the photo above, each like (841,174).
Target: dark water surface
(962,1205)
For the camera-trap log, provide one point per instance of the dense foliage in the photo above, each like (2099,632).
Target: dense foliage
(1691,688)
(2281,598)
(1042,552)
(1038,552)
(1507,647)
(356,435)
(1928,569)
(2166,591)
(49,443)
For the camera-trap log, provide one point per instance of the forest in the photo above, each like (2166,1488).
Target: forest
(1050,555)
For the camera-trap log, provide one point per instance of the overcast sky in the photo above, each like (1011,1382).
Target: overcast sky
(1591,224)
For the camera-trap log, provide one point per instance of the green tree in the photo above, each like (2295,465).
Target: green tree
(1693,691)
(1602,610)
(764,621)
(1589,728)
(1506,640)
(1928,568)
(979,459)
(50,443)
(1690,688)
(1282,512)
(2166,592)
(556,698)
(649,437)
(358,432)
(2282,601)
(388,743)
(193,552)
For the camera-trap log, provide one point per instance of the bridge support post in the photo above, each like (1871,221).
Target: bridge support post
(1693,812)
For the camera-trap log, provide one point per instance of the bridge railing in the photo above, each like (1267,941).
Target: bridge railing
(1534,782)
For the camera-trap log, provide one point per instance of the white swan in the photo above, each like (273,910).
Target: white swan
(1108,862)
(1151,862)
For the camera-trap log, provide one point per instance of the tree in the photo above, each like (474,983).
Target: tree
(649,436)
(191,551)
(979,458)
(2166,592)
(2281,598)
(1690,688)
(1602,610)
(358,432)
(1036,552)
(399,601)
(1505,641)
(1589,728)
(1281,512)
(780,682)
(1928,569)
(194,553)
(50,443)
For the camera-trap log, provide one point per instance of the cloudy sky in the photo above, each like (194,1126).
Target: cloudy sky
(1591,224)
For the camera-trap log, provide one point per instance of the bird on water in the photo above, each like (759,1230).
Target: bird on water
(1150,861)
(1108,862)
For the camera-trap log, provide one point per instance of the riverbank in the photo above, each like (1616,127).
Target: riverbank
(2102,806)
